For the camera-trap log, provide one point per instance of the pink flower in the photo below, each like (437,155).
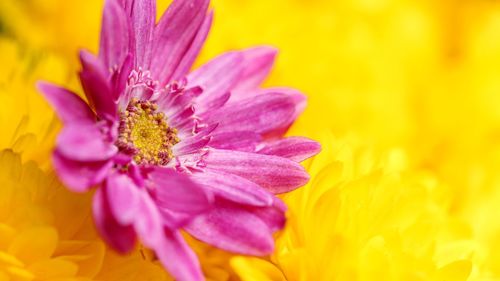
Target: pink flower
(170,150)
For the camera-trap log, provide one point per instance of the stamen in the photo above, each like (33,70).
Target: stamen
(145,134)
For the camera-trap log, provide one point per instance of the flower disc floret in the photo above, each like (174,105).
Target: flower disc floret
(145,133)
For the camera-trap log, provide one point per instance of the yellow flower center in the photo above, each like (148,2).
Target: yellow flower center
(144,132)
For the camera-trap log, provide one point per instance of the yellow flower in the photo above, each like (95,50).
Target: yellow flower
(28,123)
(46,232)
(364,216)
(56,25)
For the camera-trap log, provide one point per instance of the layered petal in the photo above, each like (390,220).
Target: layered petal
(96,82)
(176,255)
(297,149)
(236,140)
(115,35)
(174,34)
(123,198)
(216,77)
(142,15)
(234,188)
(276,174)
(120,81)
(194,143)
(257,64)
(80,176)
(177,192)
(122,210)
(194,49)
(298,98)
(148,223)
(274,215)
(68,106)
(233,228)
(121,238)
(262,114)
(84,142)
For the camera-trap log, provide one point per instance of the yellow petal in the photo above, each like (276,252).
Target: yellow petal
(34,244)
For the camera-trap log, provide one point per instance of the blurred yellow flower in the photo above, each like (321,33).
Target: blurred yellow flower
(364,216)
(28,123)
(46,232)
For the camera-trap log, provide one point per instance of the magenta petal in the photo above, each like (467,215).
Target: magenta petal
(216,78)
(236,140)
(84,143)
(233,228)
(148,223)
(121,238)
(119,80)
(123,198)
(80,176)
(191,144)
(97,85)
(299,99)
(173,35)
(194,49)
(68,106)
(234,188)
(173,104)
(276,174)
(262,114)
(297,149)
(177,192)
(142,15)
(115,35)
(178,258)
(258,62)
(273,216)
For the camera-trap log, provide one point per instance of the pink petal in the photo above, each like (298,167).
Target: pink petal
(120,79)
(148,223)
(194,49)
(234,188)
(177,192)
(97,85)
(258,62)
(169,246)
(115,35)
(142,16)
(276,174)
(233,228)
(80,176)
(194,143)
(68,106)
(273,216)
(121,238)
(298,98)
(178,258)
(216,78)
(174,220)
(297,149)
(123,198)
(236,140)
(262,114)
(84,143)
(173,35)
(172,104)
(179,118)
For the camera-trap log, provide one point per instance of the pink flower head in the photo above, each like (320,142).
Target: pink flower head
(169,150)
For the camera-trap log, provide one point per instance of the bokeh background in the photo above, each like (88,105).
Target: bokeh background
(403,95)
